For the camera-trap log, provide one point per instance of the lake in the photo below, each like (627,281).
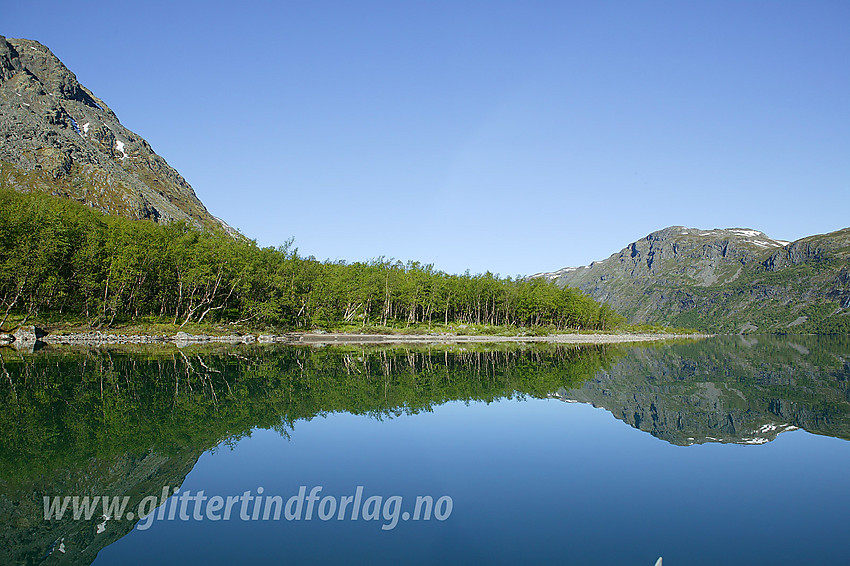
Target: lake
(731,450)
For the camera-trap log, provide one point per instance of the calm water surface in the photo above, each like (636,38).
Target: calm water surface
(727,451)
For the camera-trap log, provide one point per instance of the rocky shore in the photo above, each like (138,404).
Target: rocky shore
(28,337)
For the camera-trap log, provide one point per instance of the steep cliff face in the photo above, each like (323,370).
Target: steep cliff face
(57,137)
(730,280)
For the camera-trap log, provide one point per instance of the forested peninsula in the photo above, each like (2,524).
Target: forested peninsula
(63,262)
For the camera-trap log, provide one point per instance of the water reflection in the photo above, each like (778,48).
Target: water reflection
(743,390)
(129,421)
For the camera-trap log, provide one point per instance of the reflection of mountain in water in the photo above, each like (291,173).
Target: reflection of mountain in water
(25,538)
(118,422)
(744,390)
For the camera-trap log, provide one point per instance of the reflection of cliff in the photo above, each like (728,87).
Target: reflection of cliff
(26,538)
(742,390)
(130,421)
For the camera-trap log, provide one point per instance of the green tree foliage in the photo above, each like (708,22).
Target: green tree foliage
(59,256)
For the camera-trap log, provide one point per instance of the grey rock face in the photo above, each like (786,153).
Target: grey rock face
(57,137)
(727,276)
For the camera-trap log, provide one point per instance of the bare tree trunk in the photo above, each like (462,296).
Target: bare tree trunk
(12,304)
(106,289)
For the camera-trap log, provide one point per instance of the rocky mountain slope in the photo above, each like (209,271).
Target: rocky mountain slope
(732,280)
(57,137)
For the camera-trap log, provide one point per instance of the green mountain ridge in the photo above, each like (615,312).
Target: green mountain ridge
(734,280)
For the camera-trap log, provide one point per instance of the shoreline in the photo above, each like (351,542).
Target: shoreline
(29,337)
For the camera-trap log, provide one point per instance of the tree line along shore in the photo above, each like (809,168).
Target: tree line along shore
(61,260)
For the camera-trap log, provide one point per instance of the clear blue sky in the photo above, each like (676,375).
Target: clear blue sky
(514,137)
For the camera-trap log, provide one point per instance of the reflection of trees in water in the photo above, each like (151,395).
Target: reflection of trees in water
(129,421)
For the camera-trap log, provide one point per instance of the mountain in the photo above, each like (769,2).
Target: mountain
(59,138)
(730,280)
